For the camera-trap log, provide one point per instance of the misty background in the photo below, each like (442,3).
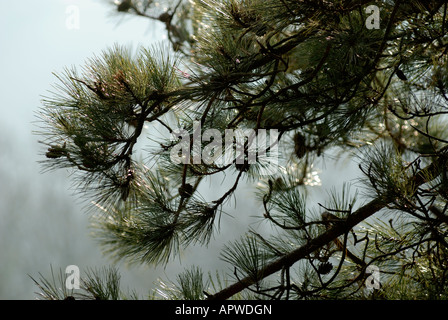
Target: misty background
(42,222)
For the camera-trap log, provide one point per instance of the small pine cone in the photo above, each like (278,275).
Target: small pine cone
(165,17)
(400,74)
(124,6)
(324,268)
(51,155)
(279,184)
(299,145)
(89,161)
(209,211)
(186,191)
(55,152)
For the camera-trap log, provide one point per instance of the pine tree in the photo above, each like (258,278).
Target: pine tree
(329,84)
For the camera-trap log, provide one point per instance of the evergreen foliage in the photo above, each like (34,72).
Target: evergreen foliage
(331,87)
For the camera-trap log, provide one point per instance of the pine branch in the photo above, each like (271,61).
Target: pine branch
(333,233)
(307,68)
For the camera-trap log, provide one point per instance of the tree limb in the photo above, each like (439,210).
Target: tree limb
(334,232)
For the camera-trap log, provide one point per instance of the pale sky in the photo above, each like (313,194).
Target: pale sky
(41,222)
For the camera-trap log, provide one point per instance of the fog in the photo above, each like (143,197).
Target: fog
(43,223)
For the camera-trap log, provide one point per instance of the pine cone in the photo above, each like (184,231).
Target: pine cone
(124,6)
(324,268)
(165,17)
(186,191)
(209,211)
(55,152)
(400,74)
(299,145)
